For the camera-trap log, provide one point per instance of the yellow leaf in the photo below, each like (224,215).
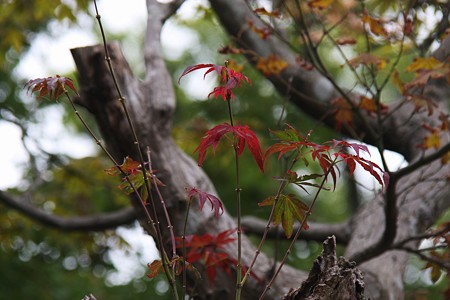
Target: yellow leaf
(271,65)
(427,63)
(432,141)
(320,4)
(233,65)
(445,159)
(398,82)
(435,273)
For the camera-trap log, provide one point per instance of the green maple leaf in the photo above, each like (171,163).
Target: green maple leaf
(288,208)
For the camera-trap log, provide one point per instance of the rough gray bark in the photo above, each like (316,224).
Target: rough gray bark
(330,278)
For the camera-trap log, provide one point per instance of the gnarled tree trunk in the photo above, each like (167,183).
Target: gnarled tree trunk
(411,203)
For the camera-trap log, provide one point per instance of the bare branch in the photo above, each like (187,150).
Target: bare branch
(316,232)
(423,236)
(443,264)
(97,222)
(422,162)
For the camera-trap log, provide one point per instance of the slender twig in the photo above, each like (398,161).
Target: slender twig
(123,103)
(154,180)
(183,246)
(103,148)
(422,236)
(323,70)
(170,278)
(281,186)
(418,252)
(297,233)
(238,206)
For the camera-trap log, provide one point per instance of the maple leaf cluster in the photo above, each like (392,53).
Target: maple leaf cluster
(202,196)
(343,113)
(51,86)
(133,172)
(292,140)
(207,249)
(424,69)
(230,77)
(289,208)
(242,134)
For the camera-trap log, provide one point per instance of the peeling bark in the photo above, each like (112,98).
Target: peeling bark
(330,278)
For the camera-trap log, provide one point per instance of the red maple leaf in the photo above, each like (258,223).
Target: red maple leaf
(207,249)
(351,160)
(216,204)
(129,166)
(231,78)
(242,134)
(51,86)
(355,146)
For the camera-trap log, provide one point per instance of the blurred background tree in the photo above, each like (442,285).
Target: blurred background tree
(43,263)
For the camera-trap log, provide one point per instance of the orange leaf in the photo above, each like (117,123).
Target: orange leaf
(445,126)
(343,114)
(154,267)
(375,25)
(368,59)
(230,49)
(271,65)
(263,11)
(370,106)
(347,40)
(423,76)
(320,4)
(263,32)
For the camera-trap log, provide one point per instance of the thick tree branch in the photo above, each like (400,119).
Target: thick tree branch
(313,93)
(96,222)
(415,200)
(316,232)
